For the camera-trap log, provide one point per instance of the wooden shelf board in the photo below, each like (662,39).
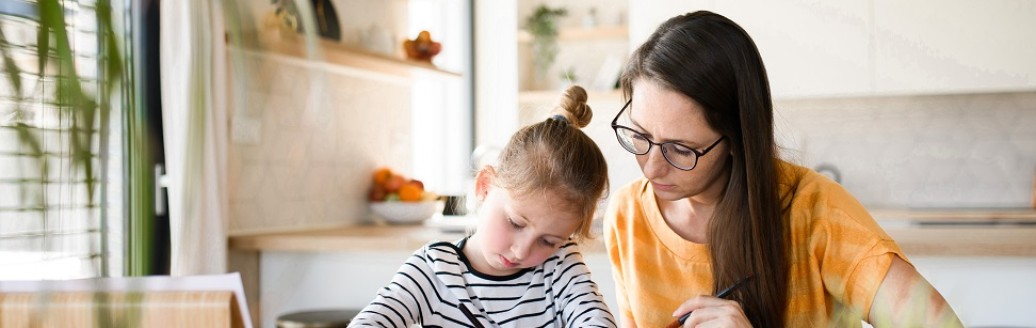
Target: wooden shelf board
(1003,215)
(336,54)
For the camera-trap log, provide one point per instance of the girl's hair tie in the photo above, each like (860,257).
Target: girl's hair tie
(559,117)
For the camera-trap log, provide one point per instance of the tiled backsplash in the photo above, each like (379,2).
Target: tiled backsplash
(905,151)
(919,151)
(309,164)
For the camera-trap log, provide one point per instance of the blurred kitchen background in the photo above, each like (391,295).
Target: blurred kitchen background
(243,133)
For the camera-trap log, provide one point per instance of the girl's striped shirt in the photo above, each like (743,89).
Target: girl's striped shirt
(437,281)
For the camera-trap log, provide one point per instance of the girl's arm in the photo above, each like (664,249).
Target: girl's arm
(579,302)
(906,299)
(399,304)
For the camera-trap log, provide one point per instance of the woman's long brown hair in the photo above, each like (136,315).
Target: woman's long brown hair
(712,60)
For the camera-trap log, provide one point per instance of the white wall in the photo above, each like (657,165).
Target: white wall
(496,71)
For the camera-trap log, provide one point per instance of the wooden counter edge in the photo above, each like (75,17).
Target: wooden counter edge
(954,215)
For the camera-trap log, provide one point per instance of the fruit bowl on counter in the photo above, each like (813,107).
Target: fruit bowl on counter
(400,200)
(406,212)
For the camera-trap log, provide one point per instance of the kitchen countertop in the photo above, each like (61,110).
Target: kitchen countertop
(928,232)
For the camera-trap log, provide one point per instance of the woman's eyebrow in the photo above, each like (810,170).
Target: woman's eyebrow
(640,129)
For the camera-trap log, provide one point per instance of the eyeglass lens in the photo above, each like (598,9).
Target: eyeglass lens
(677,155)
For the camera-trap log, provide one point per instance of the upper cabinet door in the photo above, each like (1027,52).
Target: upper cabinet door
(877,47)
(950,46)
(810,48)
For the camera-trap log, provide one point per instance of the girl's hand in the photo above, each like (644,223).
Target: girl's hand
(708,311)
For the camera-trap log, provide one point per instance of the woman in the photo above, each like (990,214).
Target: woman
(716,205)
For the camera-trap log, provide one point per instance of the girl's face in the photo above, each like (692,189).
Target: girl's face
(517,232)
(662,115)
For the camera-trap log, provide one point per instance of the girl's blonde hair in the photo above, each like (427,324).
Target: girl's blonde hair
(555,155)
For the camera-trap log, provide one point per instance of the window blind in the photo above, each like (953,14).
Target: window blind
(58,219)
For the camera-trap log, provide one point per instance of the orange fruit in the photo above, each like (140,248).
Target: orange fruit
(377,193)
(394,182)
(418,182)
(381,175)
(410,192)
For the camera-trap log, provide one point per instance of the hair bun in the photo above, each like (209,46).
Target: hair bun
(573,107)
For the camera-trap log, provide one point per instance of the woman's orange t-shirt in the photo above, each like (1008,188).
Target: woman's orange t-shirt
(839,255)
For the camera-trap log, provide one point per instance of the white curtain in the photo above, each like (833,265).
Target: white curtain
(194,115)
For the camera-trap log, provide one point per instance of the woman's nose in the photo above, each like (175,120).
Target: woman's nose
(655,164)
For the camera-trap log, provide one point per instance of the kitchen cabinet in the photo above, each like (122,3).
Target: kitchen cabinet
(877,47)
(957,46)
(985,272)
(818,48)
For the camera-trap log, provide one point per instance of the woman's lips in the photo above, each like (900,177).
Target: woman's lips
(662,187)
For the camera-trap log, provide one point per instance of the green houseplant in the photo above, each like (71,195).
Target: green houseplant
(543,26)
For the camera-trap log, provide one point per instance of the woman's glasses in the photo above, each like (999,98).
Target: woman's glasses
(679,156)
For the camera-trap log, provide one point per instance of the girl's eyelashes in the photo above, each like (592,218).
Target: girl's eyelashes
(543,241)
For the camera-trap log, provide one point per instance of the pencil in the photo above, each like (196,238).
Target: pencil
(722,294)
(467,313)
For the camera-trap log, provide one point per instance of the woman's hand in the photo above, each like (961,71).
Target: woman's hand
(708,311)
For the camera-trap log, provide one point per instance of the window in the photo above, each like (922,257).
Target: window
(59,167)
(441,109)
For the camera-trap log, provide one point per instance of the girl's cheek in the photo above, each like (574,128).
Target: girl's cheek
(542,255)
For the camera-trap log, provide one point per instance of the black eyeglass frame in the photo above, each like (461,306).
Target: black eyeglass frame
(697,154)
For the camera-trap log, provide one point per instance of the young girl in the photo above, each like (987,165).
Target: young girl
(521,267)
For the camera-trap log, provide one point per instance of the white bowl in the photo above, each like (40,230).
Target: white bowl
(405,212)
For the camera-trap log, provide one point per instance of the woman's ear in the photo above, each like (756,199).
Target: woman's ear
(484,181)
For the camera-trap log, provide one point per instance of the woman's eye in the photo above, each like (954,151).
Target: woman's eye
(513,224)
(548,243)
(680,150)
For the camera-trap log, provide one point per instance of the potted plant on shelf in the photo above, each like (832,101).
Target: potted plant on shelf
(287,17)
(543,26)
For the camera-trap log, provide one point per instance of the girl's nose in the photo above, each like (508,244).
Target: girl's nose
(520,249)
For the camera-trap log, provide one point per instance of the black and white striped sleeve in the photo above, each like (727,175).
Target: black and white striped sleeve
(402,302)
(580,304)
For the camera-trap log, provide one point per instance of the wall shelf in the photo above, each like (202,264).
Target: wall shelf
(340,56)
(600,33)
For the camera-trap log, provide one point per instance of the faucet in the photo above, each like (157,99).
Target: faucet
(830,171)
